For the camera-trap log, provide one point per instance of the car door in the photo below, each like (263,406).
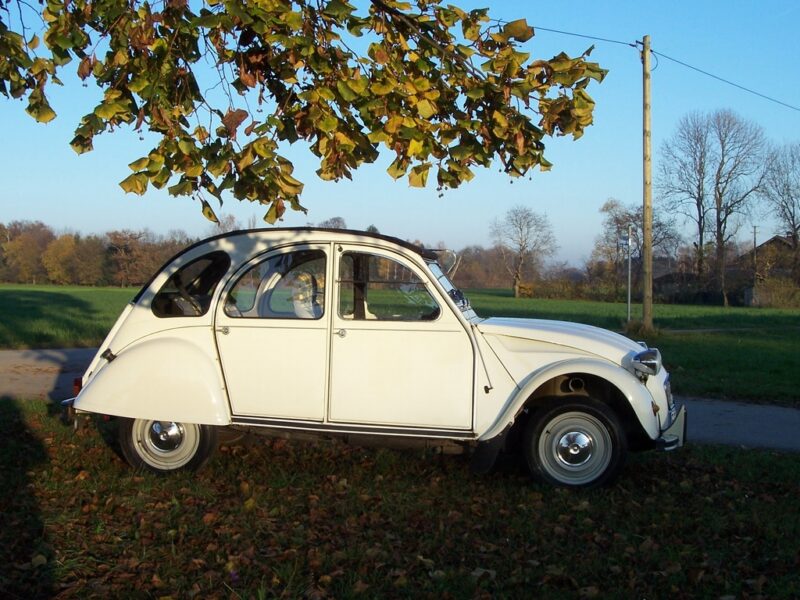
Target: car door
(399,356)
(272,332)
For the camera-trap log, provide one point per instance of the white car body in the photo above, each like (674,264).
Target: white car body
(251,352)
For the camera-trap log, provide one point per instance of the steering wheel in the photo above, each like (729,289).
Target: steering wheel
(192,302)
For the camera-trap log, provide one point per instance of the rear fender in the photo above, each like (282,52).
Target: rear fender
(631,388)
(160,378)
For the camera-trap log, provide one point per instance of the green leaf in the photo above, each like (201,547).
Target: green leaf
(419,175)
(140,164)
(208,212)
(275,212)
(328,123)
(41,112)
(186,146)
(518,30)
(397,169)
(182,188)
(136,183)
(348,94)
(414,147)
(381,88)
(338,9)
(108,110)
(426,109)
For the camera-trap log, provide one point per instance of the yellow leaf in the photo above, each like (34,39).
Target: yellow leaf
(208,213)
(414,147)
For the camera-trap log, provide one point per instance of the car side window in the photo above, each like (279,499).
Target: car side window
(379,288)
(188,291)
(284,286)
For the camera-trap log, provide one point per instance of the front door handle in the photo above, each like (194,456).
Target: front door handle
(224,330)
(341,333)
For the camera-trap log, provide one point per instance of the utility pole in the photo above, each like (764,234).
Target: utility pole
(647,226)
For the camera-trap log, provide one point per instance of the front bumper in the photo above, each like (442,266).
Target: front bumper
(675,436)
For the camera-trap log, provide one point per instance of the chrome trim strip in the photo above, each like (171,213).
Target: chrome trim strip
(333,428)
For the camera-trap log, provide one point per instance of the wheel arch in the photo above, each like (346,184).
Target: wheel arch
(166,378)
(603,381)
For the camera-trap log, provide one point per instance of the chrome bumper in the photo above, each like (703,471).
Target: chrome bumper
(675,436)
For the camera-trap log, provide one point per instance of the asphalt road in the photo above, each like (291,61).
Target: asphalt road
(48,374)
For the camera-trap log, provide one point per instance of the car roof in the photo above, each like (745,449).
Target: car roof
(277,231)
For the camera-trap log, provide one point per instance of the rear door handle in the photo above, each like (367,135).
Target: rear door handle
(341,333)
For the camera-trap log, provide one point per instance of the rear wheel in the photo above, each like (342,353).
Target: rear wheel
(165,446)
(575,443)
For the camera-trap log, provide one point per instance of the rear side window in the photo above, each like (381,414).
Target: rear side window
(188,292)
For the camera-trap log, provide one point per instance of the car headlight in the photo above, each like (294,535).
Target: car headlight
(647,362)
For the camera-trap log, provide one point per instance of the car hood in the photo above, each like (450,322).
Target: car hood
(585,338)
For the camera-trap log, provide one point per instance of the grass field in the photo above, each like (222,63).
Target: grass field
(284,520)
(736,353)
(58,317)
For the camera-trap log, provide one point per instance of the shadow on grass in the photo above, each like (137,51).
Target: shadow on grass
(47,319)
(26,559)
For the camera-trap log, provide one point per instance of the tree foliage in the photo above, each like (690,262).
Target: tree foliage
(225,84)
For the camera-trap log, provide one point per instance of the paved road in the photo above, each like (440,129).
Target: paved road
(48,374)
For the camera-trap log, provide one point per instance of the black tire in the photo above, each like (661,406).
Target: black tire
(575,443)
(165,446)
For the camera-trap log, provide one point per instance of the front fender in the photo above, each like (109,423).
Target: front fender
(634,391)
(161,378)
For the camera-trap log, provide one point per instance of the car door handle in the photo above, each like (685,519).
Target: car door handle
(224,330)
(341,333)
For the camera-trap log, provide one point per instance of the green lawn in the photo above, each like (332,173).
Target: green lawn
(289,520)
(44,316)
(737,353)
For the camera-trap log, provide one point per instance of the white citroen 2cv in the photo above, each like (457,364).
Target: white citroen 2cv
(361,336)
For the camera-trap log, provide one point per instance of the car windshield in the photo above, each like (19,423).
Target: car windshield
(456,294)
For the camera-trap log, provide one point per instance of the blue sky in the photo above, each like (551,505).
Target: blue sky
(752,43)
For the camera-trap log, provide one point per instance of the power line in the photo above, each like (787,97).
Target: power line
(675,60)
(736,85)
(588,37)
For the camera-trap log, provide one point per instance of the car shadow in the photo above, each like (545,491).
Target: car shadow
(26,559)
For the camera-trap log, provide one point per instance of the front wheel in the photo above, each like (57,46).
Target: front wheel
(166,446)
(575,443)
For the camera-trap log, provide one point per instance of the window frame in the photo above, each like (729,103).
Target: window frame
(423,281)
(267,285)
(221,261)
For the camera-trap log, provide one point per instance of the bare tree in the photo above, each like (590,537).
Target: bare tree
(525,239)
(739,171)
(333,223)
(224,224)
(781,191)
(609,254)
(710,172)
(683,177)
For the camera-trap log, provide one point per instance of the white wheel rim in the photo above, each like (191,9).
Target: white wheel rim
(575,448)
(165,445)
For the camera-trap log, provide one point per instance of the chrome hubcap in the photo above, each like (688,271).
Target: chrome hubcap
(574,448)
(166,436)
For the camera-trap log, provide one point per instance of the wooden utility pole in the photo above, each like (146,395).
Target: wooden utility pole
(647,212)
